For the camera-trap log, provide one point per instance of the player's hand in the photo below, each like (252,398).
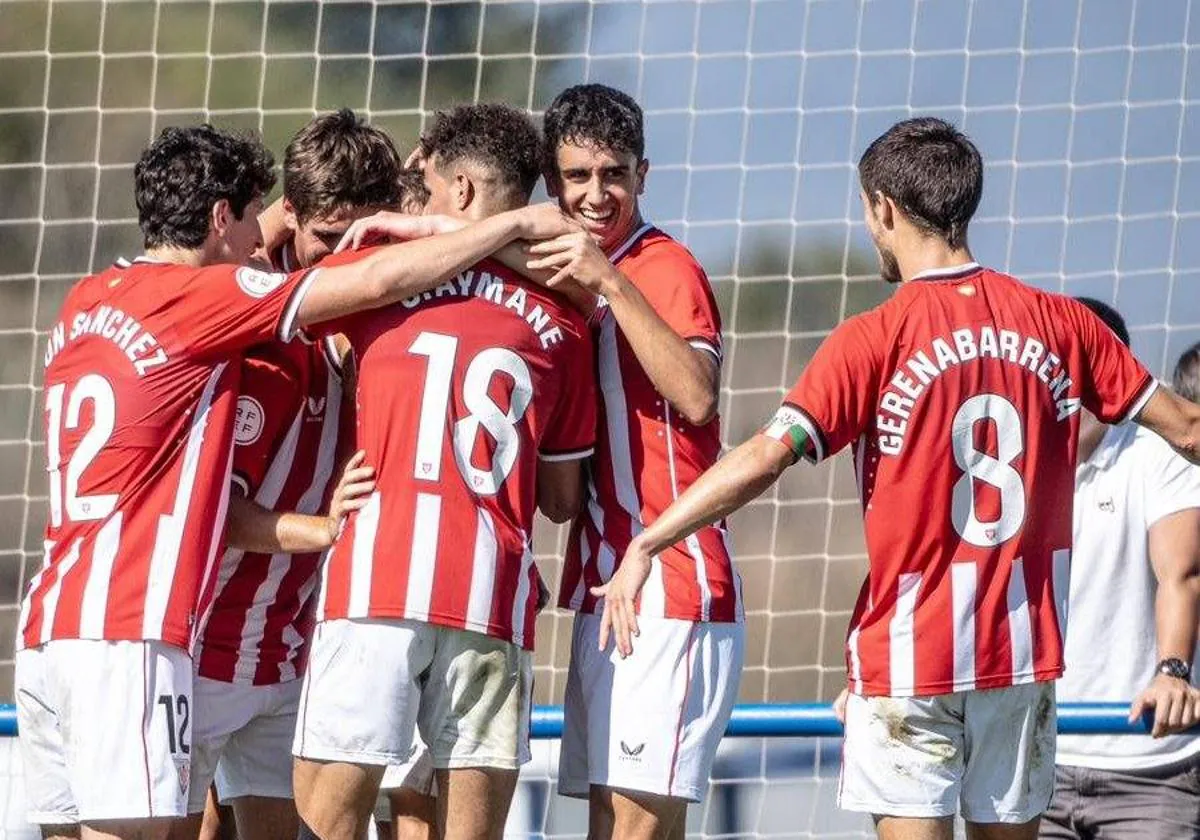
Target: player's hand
(575,256)
(543,221)
(839,706)
(1175,703)
(398,227)
(620,598)
(353,491)
(416,158)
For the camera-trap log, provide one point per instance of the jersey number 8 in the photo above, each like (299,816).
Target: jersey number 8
(995,471)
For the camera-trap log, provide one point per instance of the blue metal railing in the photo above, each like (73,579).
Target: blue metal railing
(766,720)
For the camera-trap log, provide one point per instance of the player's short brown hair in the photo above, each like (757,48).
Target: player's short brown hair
(1186,380)
(498,137)
(596,115)
(185,171)
(931,170)
(337,162)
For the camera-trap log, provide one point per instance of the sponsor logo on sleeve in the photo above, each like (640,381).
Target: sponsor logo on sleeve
(248,424)
(257,283)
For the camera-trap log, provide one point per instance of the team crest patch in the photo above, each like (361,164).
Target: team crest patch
(248,424)
(183,767)
(257,283)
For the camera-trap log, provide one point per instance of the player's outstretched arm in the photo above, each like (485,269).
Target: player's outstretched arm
(1174,543)
(731,483)
(251,527)
(400,271)
(1175,420)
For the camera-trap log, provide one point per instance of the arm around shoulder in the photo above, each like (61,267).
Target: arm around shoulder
(1175,420)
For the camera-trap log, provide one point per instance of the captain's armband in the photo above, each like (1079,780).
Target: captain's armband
(787,427)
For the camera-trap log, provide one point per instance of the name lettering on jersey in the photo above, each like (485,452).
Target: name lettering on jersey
(138,344)
(924,367)
(489,287)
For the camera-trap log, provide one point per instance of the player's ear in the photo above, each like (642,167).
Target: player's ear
(642,168)
(220,217)
(887,211)
(464,191)
(289,216)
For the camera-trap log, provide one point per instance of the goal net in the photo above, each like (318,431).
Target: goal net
(756,114)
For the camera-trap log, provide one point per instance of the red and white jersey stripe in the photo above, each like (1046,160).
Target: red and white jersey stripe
(961,398)
(285,457)
(646,455)
(142,371)
(461,392)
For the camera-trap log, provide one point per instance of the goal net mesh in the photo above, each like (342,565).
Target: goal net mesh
(756,114)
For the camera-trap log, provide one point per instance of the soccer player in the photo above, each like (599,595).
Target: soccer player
(1134,605)
(640,735)
(476,403)
(961,397)
(290,412)
(140,388)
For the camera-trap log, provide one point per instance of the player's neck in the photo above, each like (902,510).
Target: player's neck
(930,255)
(634,225)
(180,256)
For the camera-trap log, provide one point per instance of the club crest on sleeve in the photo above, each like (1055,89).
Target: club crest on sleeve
(257,283)
(248,424)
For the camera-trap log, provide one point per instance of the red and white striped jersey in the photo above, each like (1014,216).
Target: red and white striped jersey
(142,370)
(646,455)
(961,396)
(460,392)
(285,457)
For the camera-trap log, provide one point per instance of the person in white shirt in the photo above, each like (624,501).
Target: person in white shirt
(1134,605)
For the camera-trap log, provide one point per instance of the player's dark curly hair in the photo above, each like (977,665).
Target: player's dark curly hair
(593,115)
(498,137)
(931,170)
(185,171)
(1111,317)
(1186,380)
(337,162)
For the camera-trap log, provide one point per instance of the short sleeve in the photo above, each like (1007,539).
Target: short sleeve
(222,309)
(1116,385)
(268,401)
(833,401)
(571,433)
(677,288)
(1172,483)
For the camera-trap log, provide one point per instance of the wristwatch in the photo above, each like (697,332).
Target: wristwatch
(1175,668)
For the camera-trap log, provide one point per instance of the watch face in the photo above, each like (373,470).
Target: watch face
(1175,668)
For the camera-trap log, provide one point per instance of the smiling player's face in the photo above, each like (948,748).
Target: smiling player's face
(599,188)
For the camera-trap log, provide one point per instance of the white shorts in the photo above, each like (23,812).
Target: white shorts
(105,730)
(651,722)
(416,774)
(992,752)
(370,683)
(242,737)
